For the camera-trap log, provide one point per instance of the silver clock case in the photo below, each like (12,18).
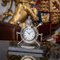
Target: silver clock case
(29,41)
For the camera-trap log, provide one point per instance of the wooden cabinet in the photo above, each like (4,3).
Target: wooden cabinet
(8,31)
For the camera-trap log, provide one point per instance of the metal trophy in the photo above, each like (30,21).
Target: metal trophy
(28,48)
(29,35)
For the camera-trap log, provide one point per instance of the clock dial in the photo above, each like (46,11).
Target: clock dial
(29,34)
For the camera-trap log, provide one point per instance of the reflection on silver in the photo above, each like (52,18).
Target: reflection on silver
(28,58)
(29,22)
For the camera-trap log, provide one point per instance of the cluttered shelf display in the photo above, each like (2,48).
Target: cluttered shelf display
(27,14)
(41,8)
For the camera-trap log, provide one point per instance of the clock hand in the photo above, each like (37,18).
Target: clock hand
(28,33)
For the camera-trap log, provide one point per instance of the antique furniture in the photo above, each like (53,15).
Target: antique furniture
(8,31)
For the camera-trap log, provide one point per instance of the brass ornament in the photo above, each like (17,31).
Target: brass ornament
(22,11)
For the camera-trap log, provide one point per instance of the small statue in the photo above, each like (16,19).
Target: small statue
(23,10)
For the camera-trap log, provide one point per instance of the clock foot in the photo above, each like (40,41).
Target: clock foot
(37,43)
(19,43)
(27,45)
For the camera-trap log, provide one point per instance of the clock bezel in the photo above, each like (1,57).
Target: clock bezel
(33,40)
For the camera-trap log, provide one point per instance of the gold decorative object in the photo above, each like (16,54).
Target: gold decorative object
(55,18)
(44,5)
(45,17)
(54,6)
(22,11)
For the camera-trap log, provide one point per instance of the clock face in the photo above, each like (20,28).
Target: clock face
(29,34)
